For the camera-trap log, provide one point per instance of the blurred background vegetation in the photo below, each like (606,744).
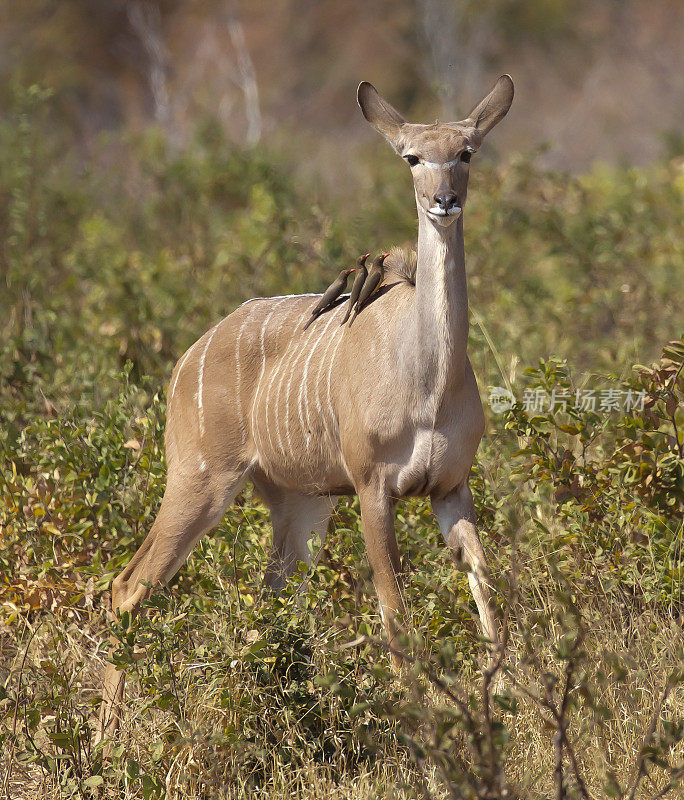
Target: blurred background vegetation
(160,162)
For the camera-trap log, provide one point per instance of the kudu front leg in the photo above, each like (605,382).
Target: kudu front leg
(456,517)
(377,521)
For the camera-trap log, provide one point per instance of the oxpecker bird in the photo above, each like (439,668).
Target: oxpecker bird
(331,294)
(371,284)
(359,280)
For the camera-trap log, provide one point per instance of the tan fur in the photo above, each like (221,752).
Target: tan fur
(401,264)
(386,409)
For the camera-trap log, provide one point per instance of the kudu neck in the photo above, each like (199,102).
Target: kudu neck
(441,296)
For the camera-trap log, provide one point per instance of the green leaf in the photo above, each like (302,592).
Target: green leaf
(132,769)
(358,708)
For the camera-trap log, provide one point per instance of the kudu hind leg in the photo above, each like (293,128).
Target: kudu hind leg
(296,518)
(456,517)
(190,508)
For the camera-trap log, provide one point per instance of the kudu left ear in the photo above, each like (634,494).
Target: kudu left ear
(493,108)
(381,114)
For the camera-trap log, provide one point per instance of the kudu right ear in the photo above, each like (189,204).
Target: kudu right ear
(381,115)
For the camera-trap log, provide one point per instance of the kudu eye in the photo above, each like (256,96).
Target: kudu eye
(465,156)
(412,160)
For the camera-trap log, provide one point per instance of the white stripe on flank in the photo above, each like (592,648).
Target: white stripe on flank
(263,365)
(303,386)
(268,389)
(310,333)
(277,372)
(293,354)
(200,381)
(291,350)
(280,297)
(238,373)
(185,358)
(321,364)
(330,369)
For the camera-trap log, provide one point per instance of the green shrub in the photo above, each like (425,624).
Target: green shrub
(110,272)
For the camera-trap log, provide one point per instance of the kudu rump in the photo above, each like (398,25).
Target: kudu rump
(299,414)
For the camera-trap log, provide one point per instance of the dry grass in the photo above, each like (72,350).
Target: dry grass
(70,650)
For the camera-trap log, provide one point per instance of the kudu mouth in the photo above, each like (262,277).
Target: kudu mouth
(444,217)
(442,207)
(439,213)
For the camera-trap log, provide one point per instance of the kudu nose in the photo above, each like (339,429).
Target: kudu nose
(446,200)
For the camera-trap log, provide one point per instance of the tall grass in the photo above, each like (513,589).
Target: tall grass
(110,271)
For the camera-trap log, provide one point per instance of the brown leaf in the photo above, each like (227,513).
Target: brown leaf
(132,444)
(50,409)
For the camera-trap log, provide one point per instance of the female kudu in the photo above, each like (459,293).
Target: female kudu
(385,409)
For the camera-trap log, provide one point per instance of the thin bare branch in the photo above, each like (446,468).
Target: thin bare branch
(16,710)
(640,770)
(246,80)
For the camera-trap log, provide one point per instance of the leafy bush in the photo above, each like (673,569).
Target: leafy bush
(618,479)
(110,272)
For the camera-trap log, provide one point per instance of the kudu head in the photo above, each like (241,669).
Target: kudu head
(439,154)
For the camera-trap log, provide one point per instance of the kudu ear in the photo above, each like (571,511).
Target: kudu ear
(381,115)
(493,108)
